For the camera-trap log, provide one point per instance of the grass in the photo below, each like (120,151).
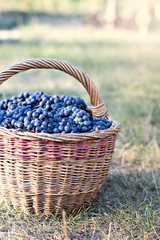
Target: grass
(125,68)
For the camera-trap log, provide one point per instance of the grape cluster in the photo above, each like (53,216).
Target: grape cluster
(38,112)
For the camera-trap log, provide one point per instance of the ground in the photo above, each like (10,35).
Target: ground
(125,68)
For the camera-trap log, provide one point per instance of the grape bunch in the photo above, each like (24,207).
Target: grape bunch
(41,113)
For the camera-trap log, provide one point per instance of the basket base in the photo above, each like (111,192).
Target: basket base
(71,204)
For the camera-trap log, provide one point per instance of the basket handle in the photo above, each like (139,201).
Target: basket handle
(98,107)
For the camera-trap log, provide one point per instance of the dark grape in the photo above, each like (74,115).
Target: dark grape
(38,112)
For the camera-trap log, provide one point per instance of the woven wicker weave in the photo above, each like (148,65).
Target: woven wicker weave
(44,173)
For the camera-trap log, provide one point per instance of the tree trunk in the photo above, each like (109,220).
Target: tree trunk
(110,13)
(143,17)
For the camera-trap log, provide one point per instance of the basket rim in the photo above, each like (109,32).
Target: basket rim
(59,137)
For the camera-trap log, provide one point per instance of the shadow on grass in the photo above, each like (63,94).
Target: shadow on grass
(134,189)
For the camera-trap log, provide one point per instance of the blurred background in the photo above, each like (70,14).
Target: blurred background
(115,42)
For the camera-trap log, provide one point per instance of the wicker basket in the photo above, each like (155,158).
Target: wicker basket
(43,173)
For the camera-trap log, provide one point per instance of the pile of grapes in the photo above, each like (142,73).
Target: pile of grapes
(38,112)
